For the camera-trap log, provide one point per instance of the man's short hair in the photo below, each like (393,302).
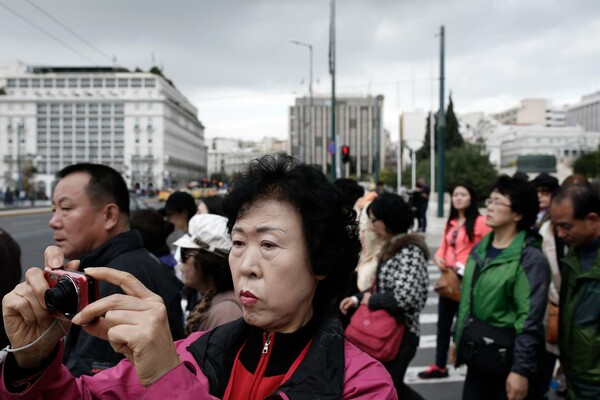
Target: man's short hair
(584,199)
(106,185)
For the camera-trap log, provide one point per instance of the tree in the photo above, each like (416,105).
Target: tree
(466,163)
(453,138)
(389,177)
(588,164)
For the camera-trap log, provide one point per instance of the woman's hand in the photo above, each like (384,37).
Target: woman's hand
(452,353)
(135,324)
(365,298)
(347,303)
(516,386)
(26,319)
(440,262)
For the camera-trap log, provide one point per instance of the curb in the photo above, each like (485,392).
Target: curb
(24,211)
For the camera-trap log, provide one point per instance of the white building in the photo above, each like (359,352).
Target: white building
(229,156)
(505,143)
(358,124)
(136,122)
(533,112)
(586,113)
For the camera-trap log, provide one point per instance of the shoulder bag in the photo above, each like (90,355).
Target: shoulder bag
(448,284)
(485,347)
(375,332)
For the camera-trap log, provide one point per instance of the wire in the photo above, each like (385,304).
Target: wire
(71,31)
(47,33)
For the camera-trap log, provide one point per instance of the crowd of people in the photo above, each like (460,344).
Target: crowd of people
(272,274)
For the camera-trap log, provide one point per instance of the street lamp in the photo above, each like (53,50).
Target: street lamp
(310,93)
(20,129)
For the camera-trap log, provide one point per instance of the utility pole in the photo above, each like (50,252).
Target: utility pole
(20,129)
(335,160)
(441,131)
(377,136)
(303,141)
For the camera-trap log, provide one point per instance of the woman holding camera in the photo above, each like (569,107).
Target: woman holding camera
(294,249)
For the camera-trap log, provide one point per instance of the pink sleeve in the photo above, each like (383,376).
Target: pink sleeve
(365,378)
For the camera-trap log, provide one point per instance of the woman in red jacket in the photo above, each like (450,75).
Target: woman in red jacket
(464,229)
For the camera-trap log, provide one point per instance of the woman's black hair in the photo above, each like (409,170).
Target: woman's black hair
(523,198)
(216,268)
(471,213)
(330,229)
(395,213)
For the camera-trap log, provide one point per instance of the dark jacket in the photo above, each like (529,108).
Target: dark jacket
(86,354)
(511,292)
(579,325)
(320,375)
(10,267)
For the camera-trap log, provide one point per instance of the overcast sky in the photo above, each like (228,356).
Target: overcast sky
(233,59)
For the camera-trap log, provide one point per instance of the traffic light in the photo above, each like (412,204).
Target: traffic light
(345,154)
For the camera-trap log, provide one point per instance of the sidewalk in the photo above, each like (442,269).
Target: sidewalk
(40,207)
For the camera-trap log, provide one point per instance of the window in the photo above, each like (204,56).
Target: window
(110,82)
(136,82)
(42,108)
(54,108)
(12,83)
(123,82)
(93,108)
(93,123)
(106,123)
(85,82)
(35,83)
(67,108)
(149,82)
(80,108)
(60,82)
(98,82)
(42,123)
(106,108)
(54,123)
(119,109)
(80,123)
(48,83)
(72,82)
(23,83)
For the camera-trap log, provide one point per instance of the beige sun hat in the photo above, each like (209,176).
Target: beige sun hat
(207,232)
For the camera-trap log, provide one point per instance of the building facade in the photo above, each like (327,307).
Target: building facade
(136,122)
(533,112)
(358,125)
(227,156)
(586,113)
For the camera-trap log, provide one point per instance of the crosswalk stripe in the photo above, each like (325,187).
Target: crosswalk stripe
(427,341)
(428,318)
(454,375)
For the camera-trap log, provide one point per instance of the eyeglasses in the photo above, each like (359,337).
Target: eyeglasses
(187,253)
(495,203)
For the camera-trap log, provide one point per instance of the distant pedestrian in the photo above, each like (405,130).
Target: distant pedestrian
(421,202)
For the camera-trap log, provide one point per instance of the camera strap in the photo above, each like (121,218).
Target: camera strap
(4,352)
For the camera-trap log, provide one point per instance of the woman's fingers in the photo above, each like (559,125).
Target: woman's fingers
(53,257)
(124,280)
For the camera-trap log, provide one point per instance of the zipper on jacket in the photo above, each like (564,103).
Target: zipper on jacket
(262,364)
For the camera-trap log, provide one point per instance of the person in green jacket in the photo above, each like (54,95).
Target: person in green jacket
(510,291)
(575,213)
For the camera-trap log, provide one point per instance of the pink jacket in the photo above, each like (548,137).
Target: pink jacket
(462,246)
(365,378)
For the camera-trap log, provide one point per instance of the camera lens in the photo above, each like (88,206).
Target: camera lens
(63,297)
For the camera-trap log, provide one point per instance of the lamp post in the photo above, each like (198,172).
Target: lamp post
(20,129)
(310,94)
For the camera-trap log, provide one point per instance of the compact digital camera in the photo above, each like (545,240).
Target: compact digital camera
(69,292)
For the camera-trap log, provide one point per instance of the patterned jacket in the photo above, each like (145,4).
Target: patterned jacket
(402,279)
